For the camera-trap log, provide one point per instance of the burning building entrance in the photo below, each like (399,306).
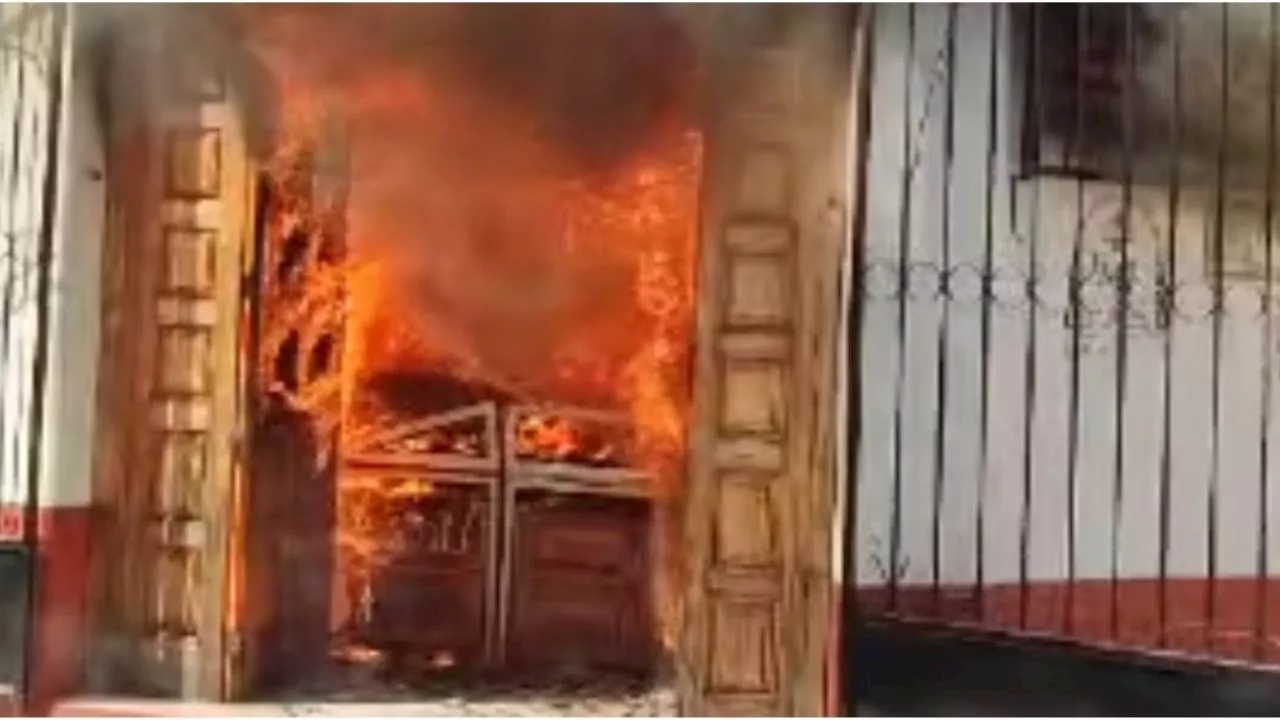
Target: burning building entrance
(474,316)
(454,340)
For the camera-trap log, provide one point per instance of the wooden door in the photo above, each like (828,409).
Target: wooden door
(761,503)
(169,410)
(288,496)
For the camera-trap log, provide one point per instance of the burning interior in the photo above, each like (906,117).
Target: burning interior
(471,340)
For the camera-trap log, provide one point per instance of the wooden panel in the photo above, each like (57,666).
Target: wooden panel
(753,399)
(745,655)
(757,236)
(192,414)
(183,310)
(177,593)
(746,453)
(186,360)
(429,600)
(745,525)
(184,465)
(759,290)
(581,576)
(754,345)
(194,163)
(761,476)
(189,261)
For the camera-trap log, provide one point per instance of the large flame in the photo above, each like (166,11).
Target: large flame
(523,205)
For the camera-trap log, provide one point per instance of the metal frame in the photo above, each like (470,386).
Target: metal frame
(506,475)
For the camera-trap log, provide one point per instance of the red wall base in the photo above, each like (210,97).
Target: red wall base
(1218,620)
(60,613)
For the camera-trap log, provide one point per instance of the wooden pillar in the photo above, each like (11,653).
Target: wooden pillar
(178,176)
(761,492)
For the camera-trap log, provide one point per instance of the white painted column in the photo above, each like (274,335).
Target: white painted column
(67,442)
(25,54)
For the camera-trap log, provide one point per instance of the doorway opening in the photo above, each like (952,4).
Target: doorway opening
(468,348)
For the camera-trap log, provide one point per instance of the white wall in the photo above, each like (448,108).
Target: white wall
(67,447)
(67,440)
(25,52)
(1136,519)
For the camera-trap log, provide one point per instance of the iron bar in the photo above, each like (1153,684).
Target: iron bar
(1074,310)
(904,263)
(1169,299)
(1264,449)
(1122,317)
(984,401)
(1219,232)
(944,319)
(1029,355)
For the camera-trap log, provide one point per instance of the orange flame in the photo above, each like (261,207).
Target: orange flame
(485,248)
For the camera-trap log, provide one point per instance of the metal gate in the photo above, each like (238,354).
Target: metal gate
(1067,345)
(470,541)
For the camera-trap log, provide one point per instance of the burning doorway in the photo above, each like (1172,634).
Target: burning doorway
(210,340)
(472,339)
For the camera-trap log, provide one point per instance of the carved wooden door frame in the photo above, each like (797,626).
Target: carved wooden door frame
(763,507)
(179,189)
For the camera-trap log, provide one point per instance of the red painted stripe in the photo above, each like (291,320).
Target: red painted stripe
(62,585)
(1229,634)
